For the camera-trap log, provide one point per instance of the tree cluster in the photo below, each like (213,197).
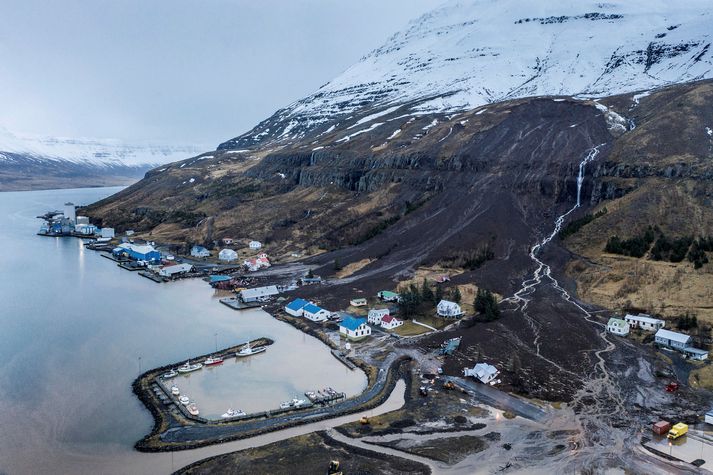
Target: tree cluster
(412,297)
(636,246)
(577,224)
(487,305)
(686,322)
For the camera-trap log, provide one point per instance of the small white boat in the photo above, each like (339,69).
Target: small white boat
(184,400)
(247,350)
(298,402)
(175,391)
(171,374)
(232,413)
(193,409)
(286,405)
(210,361)
(188,367)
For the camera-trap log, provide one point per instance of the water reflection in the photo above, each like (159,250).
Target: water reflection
(74,326)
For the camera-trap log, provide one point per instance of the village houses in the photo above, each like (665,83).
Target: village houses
(449,309)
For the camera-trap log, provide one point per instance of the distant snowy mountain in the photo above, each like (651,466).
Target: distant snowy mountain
(30,162)
(91,152)
(466,54)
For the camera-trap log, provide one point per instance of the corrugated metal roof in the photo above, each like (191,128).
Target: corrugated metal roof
(297,304)
(644,318)
(352,323)
(669,335)
(312,308)
(260,292)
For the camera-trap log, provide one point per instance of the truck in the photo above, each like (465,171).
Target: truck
(677,431)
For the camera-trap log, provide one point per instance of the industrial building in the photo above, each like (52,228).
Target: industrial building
(259,294)
(138,252)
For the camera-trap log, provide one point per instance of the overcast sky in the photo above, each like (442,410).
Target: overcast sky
(200,71)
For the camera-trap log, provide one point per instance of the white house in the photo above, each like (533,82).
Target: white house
(376,315)
(695,353)
(483,372)
(107,233)
(199,251)
(448,309)
(645,322)
(677,341)
(256,263)
(255,244)
(296,307)
(389,322)
(227,255)
(617,326)
(169,270)
(354,328)
(315,313)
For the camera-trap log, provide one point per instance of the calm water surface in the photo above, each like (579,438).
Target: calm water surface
(75,331)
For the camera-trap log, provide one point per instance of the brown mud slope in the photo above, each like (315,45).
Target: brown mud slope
(496,177)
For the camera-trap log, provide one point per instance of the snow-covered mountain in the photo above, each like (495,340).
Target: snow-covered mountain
(32,162)
(100,153)
(465,54)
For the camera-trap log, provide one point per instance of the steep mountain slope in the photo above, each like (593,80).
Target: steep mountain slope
(399,175)
(45,162)
(467,54)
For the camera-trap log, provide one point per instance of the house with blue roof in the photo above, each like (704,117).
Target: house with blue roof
(296,307)
(354,328)
(315,313)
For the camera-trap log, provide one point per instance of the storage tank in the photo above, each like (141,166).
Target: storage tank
(70,212)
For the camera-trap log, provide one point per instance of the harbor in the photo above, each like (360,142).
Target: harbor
(127,324)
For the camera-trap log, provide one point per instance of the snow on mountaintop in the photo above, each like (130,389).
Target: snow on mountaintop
(466,54)
(91,152)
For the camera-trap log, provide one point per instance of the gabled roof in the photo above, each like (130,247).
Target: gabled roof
(388,293)
(266,291)
(447,302)
(311,308)
(352,323)
(642,317)
(616,322)
(669,335)
(387,319)
(297,304)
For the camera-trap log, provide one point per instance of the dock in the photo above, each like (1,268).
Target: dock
(343,358)
(131,266)
(325,396)
(150,275)
(237,304)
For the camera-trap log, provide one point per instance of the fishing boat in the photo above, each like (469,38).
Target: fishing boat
(213,361)
(184,400)
(171,374)
(175,391)
(298,402)
(232,413)
(188,367)
(286,405)
(248,350)
(193,409)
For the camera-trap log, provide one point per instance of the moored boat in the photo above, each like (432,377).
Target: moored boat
(171,374)
(248,350)
(175,391)
(232,413)
(188,367)
(184,400)
(285,405)
(213,361)
(193,409)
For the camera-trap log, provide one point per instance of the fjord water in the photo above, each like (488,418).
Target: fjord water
(75,330)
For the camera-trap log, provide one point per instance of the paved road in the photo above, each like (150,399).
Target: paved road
(499,399)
